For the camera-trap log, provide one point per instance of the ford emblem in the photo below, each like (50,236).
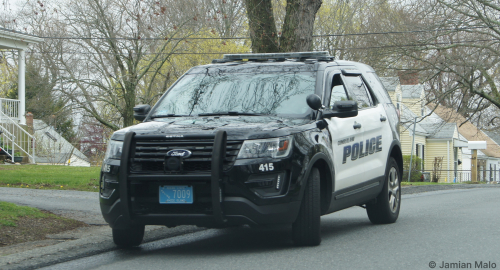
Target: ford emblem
(179,153)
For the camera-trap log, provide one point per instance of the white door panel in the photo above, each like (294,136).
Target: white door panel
(377,139)
(347,172)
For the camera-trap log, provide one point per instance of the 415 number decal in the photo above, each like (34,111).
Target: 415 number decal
(266,167)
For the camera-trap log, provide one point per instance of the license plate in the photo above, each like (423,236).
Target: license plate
(176,195)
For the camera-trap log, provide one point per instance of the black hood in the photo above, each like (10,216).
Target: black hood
(237,127)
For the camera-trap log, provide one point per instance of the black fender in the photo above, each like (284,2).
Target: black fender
(395,151)
(327,170)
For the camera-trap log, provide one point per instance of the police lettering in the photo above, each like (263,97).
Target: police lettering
(360,150)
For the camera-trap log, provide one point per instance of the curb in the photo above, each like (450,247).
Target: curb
(95,240)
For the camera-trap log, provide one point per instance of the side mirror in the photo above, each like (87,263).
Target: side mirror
(314,101)
(140,112)
(342,109)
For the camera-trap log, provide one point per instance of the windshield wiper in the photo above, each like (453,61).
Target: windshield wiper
(229,113)
(167,115)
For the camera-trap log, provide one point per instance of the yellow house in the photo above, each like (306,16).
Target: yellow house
(444,153)
(436,141)
(489,158)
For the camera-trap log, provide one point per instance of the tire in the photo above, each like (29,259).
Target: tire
(130,237)
(386,209)
(306,230)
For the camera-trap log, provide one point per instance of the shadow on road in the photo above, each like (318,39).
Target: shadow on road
(243,240)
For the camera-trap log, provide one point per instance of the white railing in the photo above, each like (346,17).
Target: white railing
(15,139)
(459,176)
(10,108)
(4,142)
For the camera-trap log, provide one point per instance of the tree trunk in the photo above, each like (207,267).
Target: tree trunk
(262,26)
(299,25)
(297,28)
(130,96)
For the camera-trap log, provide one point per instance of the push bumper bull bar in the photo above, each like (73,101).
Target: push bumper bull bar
(218,156)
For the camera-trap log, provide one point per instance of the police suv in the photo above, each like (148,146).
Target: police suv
(257,139)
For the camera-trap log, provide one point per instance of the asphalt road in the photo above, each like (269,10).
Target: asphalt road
(448,226)
(79,205)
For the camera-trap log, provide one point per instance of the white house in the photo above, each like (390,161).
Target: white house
(52,148)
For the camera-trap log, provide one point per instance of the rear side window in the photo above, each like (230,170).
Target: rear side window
(378,86)
(359,92)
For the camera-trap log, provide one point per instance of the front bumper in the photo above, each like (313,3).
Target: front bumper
(223,198)
(237,211)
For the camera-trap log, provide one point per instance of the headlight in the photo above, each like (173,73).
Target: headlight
(114,150)
(274,148)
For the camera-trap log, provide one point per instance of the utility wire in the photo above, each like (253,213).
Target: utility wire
(337,49)
(240,38)
(408,32)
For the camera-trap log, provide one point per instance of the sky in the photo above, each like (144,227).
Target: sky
(9,7)
(12,5)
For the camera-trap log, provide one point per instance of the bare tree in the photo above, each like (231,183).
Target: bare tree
(296,30)
(363,31)
(225,17)
(455,45)
(110,54)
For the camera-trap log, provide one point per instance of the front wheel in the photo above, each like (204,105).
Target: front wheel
(386,209)
(129,237)
(306,230)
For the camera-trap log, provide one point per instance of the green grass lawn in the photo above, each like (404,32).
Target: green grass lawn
(50,177)
(81,178)
(20,224)
(10,213)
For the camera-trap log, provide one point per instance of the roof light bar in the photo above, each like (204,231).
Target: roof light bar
(266,56)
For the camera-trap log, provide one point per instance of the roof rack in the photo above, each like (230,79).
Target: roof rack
(320,56)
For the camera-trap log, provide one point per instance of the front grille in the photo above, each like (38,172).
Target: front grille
(149,156)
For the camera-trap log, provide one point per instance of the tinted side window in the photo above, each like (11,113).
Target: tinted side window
(359,91)
(338,91)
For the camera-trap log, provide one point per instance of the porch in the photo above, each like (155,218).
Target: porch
(17,142)
(15,137)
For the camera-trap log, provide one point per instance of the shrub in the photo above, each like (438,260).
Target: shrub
(416,167)
(436,169)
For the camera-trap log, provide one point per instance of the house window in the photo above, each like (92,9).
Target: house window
(420,153)
(423,156)
(491,172)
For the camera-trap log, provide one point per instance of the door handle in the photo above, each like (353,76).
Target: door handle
(383,118)
(356,125)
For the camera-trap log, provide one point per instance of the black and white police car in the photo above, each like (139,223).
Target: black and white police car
(257,139)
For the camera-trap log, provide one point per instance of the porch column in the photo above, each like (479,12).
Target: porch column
(21,93)
(473,166)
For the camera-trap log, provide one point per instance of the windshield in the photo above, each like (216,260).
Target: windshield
(278,90)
